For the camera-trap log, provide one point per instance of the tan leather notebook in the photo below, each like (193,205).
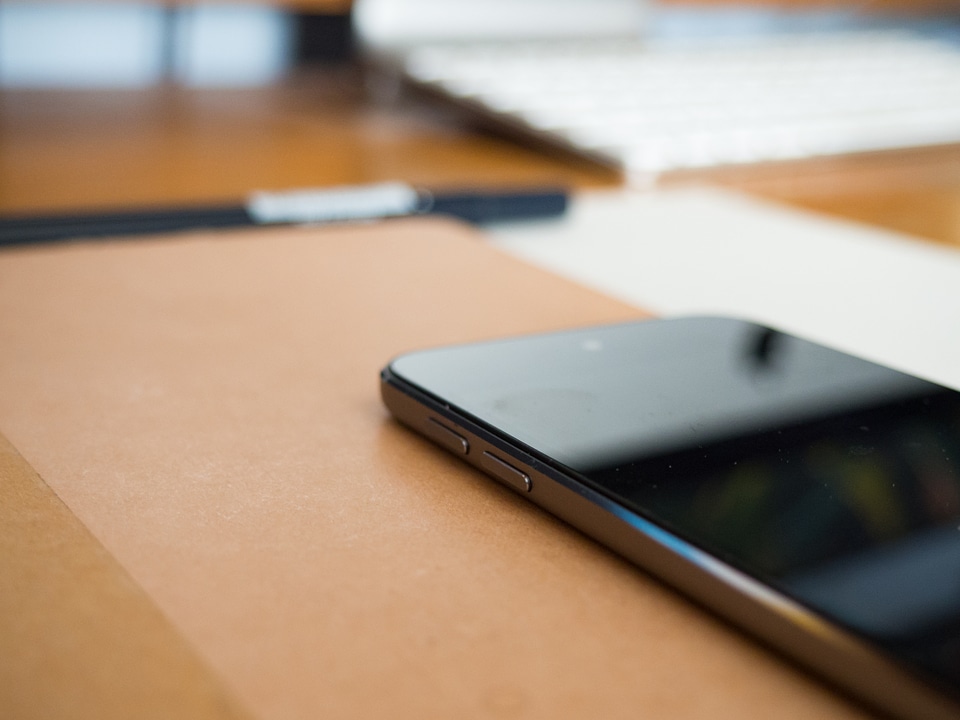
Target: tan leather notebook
(237,529)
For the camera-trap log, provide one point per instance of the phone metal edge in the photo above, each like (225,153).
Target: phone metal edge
(833,654)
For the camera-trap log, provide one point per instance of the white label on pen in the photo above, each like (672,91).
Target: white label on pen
(327,205)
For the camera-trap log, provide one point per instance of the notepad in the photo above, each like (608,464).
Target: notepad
(207,407)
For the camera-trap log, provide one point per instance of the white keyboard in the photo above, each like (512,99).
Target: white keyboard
(649,108)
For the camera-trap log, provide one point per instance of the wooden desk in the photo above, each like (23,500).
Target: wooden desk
(492,653)
(85,149)
(75,149)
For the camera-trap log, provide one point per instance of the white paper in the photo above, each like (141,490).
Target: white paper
(884,296)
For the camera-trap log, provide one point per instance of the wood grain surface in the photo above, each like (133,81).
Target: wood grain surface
(66,150)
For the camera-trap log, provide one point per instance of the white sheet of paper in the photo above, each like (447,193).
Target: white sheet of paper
(884,296)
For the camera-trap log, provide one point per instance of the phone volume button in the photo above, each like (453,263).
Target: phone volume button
(504,471)
(441,434)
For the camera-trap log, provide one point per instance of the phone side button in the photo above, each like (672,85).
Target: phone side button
(443,435)
(506,472)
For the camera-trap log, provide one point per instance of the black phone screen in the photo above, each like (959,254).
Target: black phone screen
(828,477)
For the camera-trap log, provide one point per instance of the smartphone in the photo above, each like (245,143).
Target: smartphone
(808,496)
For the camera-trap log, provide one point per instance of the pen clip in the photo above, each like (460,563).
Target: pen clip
(364,202)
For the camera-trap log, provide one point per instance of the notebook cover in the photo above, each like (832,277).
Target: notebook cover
(234,514)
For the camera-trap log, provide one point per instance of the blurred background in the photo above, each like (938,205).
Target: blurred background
(134,44)
(111,104)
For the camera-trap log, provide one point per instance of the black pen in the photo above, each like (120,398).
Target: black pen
(298,207)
